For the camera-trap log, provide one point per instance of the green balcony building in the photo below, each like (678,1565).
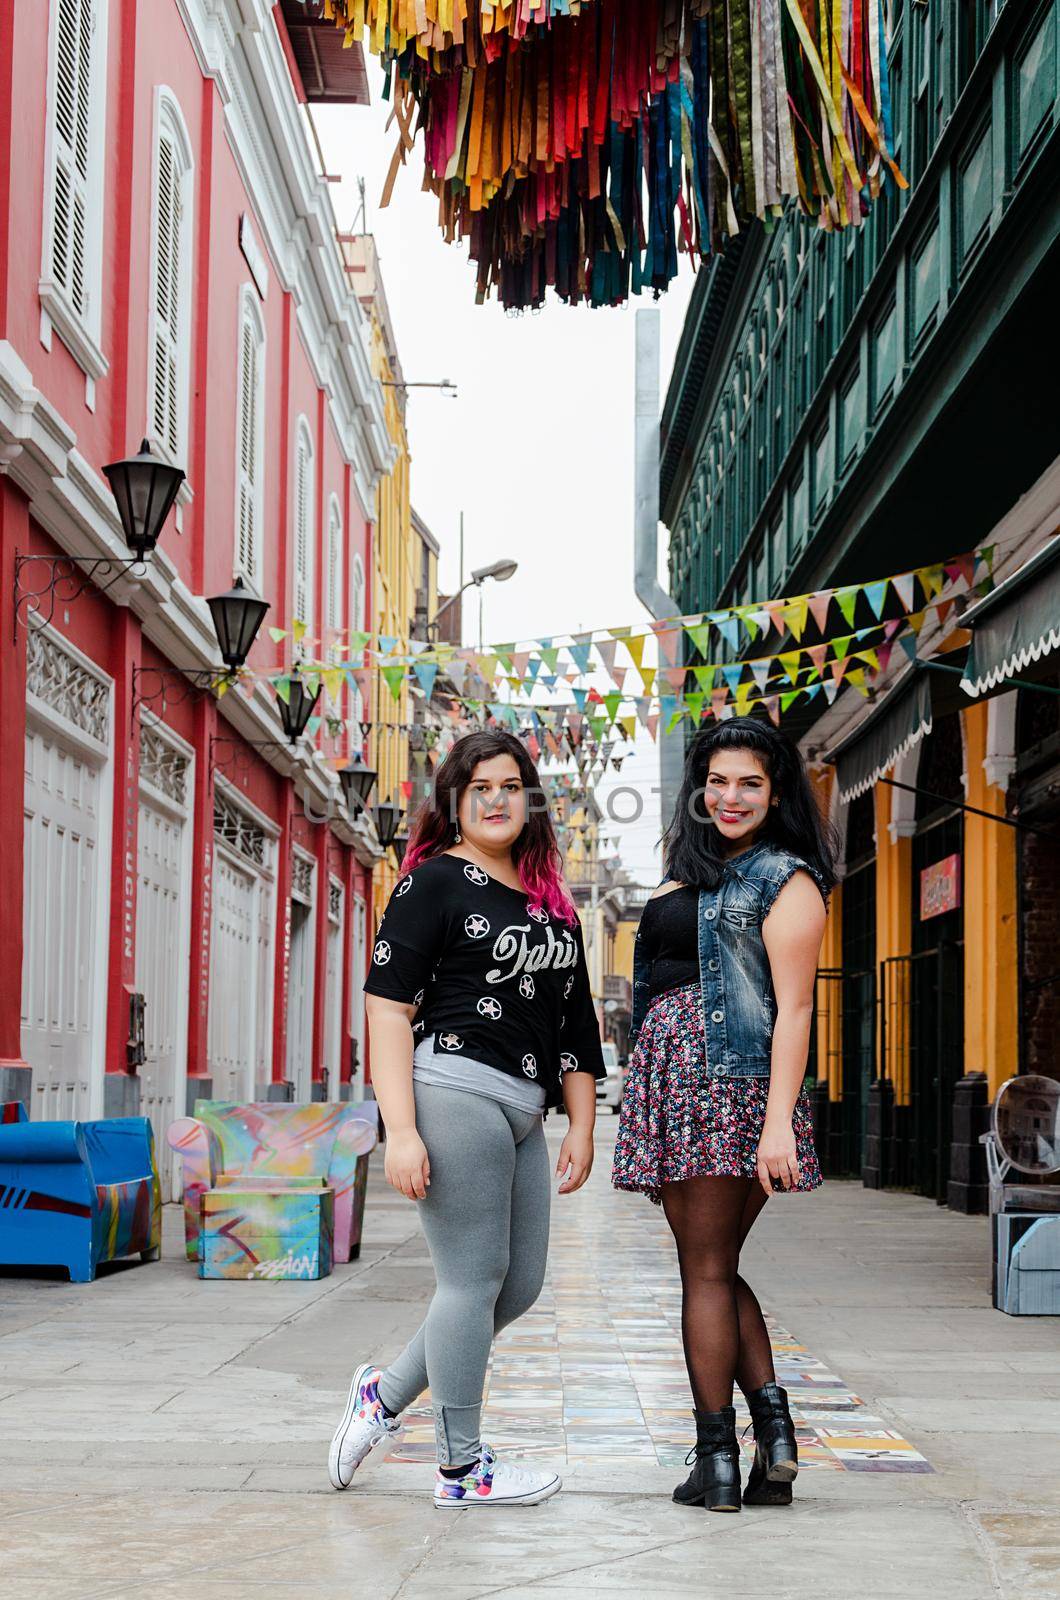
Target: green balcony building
(851,405)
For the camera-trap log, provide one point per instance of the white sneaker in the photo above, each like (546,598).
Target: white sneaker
(494,1483)
(364,1426)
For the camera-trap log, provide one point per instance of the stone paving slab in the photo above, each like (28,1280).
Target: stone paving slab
(165,1437)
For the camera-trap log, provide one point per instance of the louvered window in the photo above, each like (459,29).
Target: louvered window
(170,320)
(170,308)
(249,430)
(303,525)
(74,29)
(334,600)
(358,614)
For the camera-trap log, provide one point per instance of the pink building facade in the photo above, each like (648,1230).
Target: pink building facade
(169,270)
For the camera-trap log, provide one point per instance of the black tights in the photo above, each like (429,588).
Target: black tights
(722,1326)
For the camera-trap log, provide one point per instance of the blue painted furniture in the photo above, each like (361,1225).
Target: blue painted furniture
(73,1194)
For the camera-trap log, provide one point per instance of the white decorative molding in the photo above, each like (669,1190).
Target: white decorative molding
(903,804)
(162,765)
(334,900)
(303,871)
(73,505)
(999,762)
(61,680)
(237,46)
(238,830)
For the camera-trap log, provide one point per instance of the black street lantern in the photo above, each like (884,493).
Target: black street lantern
(237,616)
(297,709)
(144,488)
(399,844)
(358,781)
(387,818)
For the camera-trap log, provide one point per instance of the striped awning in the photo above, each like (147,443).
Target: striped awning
(898,723)
(1015,625)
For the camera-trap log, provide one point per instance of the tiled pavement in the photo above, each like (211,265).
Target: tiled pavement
(595,1372)
(166,1438)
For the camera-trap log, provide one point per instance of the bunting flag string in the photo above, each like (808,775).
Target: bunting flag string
(916,592)
(496,686)
(581,145)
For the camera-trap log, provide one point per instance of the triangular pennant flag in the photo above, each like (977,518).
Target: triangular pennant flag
(704,676)
(395,677)
(772,705)
(732,675)
(831,689)
(790,663)
(819,604)
(876,595)
(795,615)
(699,633)
(932,578)
(728,626)
(635,645)
(847,599)
(905,588)
(916,620)
(606,649)
(694,702)
(426,672)
(760,673)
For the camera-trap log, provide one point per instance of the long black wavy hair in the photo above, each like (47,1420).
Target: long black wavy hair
(692,847)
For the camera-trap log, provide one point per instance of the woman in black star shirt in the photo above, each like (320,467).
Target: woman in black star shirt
(481,1020)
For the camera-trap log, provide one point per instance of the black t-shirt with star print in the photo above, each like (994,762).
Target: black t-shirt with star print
(493,980)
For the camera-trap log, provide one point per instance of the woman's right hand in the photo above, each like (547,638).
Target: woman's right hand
(406,1164)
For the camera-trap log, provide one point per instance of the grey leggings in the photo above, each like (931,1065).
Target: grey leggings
(486,1220)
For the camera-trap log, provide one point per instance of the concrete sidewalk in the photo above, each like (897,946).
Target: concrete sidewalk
(163,1436)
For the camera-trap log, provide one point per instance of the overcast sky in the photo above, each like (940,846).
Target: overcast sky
(537,450)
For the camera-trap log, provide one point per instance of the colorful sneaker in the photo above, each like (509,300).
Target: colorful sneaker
(495,1483)
(364,1426)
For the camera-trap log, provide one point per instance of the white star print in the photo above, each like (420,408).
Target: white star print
(489,1008)
(540,915)
(381,953)
(476,927)
(475,874)
(526,986)
(530,1066)
(567,1062)
(450,1041)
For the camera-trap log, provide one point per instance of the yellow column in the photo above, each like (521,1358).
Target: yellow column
(829,991)
(894,929)
(988,892)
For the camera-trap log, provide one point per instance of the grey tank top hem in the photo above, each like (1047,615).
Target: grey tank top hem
(474,1077)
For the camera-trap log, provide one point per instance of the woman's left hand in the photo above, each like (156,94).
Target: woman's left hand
(777,1158)
(576,1159)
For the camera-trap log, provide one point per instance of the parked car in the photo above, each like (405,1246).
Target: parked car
(609,1089)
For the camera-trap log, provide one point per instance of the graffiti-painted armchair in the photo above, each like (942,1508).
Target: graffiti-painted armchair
(275,1144)
(75,1194)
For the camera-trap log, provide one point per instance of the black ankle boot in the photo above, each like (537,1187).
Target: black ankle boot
(776,1456)
(715,1479)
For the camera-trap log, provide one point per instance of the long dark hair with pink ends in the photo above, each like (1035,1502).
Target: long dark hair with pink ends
(535,853)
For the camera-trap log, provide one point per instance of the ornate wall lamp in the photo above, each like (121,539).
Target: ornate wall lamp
(237,616)
(144,489)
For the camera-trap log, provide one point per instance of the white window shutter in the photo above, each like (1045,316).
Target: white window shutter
(334,617)
(303,491)
(248,451)
(166,352)
(74,26)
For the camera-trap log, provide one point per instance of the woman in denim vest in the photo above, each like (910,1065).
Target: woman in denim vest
(714,1116)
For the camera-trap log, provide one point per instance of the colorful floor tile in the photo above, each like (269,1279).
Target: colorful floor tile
(595,1372)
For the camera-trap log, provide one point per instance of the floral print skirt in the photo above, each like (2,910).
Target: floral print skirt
(677,1122)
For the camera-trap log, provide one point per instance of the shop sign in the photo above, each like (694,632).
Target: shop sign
(940,888)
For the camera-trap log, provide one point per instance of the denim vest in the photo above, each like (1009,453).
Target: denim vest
(739,1005)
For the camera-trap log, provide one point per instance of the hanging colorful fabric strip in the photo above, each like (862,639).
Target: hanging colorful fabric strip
(580,145)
